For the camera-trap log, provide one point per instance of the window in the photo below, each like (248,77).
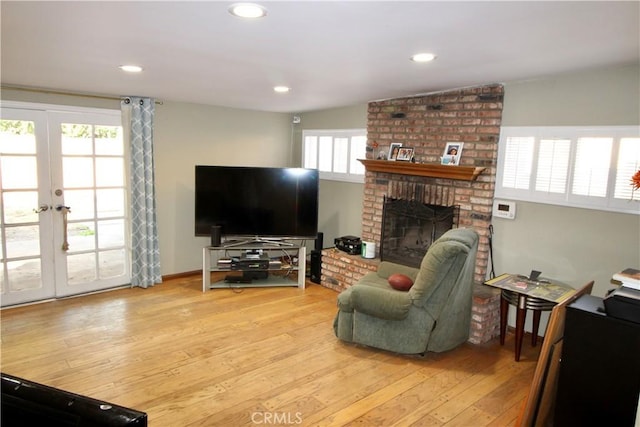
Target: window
(335,153)
(570,166)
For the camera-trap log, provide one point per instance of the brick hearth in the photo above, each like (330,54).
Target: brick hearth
(426,123)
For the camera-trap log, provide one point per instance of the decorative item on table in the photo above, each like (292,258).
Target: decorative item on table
(393,150)
(368,250)
(452,153)
(405,154)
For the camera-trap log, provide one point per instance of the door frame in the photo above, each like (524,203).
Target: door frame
(52,228)
(47,290)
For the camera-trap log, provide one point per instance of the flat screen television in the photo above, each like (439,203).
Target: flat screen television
(256,202)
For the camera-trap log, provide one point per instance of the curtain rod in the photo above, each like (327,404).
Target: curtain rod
(60,92)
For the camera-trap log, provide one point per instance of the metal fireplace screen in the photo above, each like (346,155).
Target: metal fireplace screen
(410,227)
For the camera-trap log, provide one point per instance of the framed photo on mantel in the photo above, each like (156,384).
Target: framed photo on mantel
(393,150)
(452,153)
(405,154)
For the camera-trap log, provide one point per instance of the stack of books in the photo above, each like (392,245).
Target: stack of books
(629,277)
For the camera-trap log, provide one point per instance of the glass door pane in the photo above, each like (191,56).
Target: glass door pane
(94,188)
(25,217)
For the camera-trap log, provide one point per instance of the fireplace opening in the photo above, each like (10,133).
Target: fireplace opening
(409,227)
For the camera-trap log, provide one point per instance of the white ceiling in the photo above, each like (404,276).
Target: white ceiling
(331,53)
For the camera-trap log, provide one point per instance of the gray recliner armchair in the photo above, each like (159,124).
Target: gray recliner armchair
(434,315)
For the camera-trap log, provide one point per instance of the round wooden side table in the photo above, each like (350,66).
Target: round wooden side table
(522,303)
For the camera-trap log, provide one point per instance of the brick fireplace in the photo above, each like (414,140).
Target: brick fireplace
(426,124)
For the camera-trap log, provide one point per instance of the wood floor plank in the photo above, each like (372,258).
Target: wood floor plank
(355,411)
(231,357)
(509,417)
(470,416)
(468,392)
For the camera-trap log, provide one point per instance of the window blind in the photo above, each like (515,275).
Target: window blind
(587,167)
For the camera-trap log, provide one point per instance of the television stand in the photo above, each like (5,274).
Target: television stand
(256,240)
(277,265)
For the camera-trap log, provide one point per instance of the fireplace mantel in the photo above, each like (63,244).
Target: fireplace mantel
(431,170)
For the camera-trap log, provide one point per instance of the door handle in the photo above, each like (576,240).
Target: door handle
(64,210)
(42,208)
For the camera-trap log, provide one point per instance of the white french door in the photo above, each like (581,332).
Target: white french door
(63,211)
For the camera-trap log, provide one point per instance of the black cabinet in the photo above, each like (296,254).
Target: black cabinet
(599,378)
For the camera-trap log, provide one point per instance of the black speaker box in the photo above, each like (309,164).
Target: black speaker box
(599,374)
(316,266)
(319,239)
(216,235)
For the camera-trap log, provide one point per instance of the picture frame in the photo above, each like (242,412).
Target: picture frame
(393,150)
(452,153)
(405,154)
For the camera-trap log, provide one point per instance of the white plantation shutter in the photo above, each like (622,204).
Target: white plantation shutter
(340,154)
(335,153)
(517,162)
(591,175)
(310,152)
(553,165)
(570,166)
(325,154)
(358,151)
(627,165)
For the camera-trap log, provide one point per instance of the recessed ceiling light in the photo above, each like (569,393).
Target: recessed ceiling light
(423,57)
(131,68)
(247,10)
(281,89)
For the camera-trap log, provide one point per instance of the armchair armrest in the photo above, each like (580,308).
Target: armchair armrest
(381,303)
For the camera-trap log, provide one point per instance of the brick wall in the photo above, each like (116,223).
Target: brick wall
(472,116)
(426,123)
(341,270)
(485,314)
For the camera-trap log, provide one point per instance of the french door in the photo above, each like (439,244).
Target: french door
(63,193)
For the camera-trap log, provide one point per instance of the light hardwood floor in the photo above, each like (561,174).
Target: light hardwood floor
(256,356)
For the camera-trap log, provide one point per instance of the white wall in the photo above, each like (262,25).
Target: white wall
(570,244)
(188,134)
(340,211)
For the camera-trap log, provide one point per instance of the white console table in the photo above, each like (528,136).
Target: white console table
(293,260)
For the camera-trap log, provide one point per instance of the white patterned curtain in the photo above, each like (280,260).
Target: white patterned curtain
(145,253)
